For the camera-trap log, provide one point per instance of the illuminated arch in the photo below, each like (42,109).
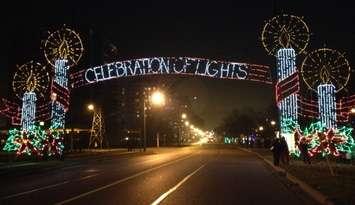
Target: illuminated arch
(172,66)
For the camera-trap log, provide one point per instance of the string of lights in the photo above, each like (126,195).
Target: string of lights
(286,74)
(326,105)
(320,139)
(59,94)
(28,114)
(172,66)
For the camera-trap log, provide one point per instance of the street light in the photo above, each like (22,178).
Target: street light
(157,98)
(273,123)
(91,107)
(261,128)
(187,123)
(352,110)
(183,116)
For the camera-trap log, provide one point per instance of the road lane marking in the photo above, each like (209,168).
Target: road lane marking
(122,180)
(34,190)
(166,194)
(71,167)
(87,177)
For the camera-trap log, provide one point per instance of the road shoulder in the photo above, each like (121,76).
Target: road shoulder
(313,193)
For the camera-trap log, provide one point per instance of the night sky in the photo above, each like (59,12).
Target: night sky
(220,30)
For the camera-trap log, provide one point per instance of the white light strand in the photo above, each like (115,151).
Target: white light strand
(288,107)
(61,78)
(28,110)
(327,105)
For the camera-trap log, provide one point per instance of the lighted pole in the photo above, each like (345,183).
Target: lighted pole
(144,128)
(157,98)
(183,117)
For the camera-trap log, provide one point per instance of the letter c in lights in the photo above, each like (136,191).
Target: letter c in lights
(87,75)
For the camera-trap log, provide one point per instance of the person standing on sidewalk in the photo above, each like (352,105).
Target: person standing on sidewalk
(276,148)
(303,146)
(284,152)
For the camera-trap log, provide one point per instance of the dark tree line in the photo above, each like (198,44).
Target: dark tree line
(247,121)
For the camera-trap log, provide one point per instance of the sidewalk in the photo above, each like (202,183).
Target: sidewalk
(321,185)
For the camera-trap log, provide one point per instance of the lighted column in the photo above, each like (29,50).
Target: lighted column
(60,94)
(327,105)
(28,115)
(288,108)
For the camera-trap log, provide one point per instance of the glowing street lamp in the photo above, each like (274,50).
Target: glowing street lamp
(183,116)
(91,107)
(187,123)
(273,123)
(191,126)
(158,98)
(261,128)
(352,110)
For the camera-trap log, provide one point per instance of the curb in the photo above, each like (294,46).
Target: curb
(313,193)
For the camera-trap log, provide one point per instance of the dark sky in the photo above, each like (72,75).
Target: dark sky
(222,30)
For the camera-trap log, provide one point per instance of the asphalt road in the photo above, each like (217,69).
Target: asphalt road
(194,175)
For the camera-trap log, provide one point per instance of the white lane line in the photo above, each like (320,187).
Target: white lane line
(121,180)
(87,177)
(166,194)
(71,167)
(34,190)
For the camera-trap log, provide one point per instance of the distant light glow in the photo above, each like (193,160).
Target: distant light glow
(183,116)
(90,107)
(202,140)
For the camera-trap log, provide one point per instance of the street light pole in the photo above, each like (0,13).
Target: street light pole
(183,117)
(156,98)
(144,128)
